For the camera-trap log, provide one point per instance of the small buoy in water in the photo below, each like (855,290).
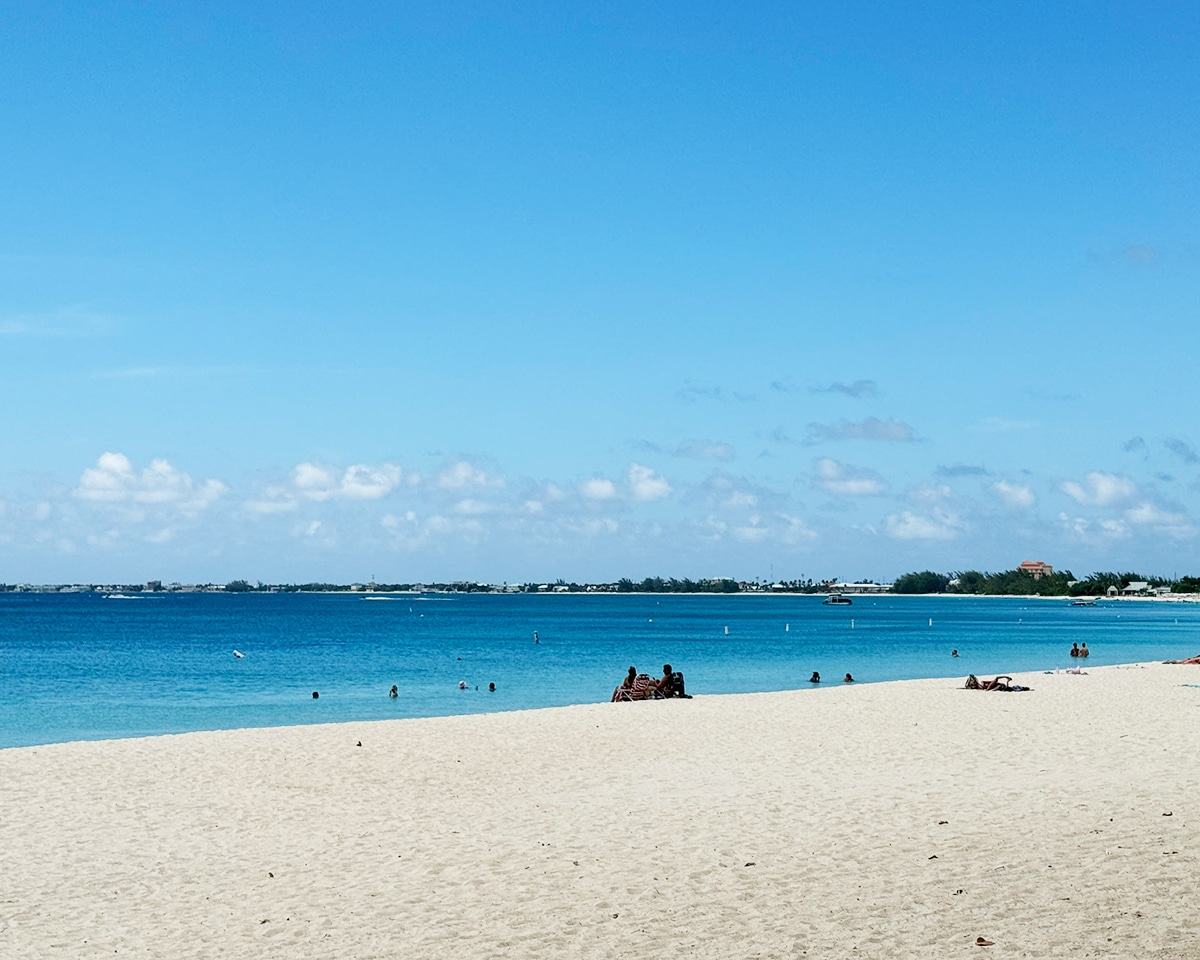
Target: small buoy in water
(240,655)
(535,637)
(787,627)
(726,631)
(931,621)
(851,624)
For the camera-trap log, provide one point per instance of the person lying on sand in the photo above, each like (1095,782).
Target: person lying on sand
(1195,659)
(999,683)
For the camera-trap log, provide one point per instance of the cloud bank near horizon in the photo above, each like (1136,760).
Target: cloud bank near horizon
(465,516)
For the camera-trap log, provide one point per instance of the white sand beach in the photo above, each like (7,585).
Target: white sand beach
(890,820)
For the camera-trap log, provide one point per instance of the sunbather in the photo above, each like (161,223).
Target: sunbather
(1195,660)
(999,683)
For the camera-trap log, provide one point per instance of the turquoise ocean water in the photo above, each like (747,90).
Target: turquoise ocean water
(81,666)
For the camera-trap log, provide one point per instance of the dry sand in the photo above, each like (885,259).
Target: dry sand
(884,820)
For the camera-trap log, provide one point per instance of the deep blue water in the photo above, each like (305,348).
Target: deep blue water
(76,667)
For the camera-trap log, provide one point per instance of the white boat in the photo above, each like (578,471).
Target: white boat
(1083,602)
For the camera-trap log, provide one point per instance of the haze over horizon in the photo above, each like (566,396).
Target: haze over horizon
(511,295)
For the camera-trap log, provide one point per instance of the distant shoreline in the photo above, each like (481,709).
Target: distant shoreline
(72,590)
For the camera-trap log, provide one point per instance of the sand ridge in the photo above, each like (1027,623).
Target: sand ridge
(876,820)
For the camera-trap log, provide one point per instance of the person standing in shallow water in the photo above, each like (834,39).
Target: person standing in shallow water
(815,678)
(1083,650)
(1074,649)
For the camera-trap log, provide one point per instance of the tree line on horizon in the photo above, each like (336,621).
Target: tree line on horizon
(1022,583)
(971,582)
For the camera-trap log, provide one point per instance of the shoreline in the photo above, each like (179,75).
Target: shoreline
(415,594)
(893,819)
(803,689)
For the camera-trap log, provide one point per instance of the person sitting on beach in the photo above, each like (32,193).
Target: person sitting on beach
(636,686)
(1074,649)
(671,683)
(1083,650)
(815,678)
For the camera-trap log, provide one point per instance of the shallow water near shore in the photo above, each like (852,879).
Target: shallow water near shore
(84,667)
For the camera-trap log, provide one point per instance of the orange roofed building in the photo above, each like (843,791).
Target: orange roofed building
(1036,569)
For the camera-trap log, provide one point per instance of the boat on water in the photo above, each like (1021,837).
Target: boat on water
(1083,602)
(837,600)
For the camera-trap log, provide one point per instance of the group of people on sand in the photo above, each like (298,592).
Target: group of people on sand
(1078,651)
(642,686)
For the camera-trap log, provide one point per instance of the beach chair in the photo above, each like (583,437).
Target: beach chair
(644,688)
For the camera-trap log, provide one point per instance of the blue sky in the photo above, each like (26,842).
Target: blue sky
(522,291)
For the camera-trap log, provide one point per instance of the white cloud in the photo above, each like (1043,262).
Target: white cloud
(909,526)
(114,480)
(461,475)
(844,480)
(645,485)
(752,532)
(1086,529)
(597,489)
(1100,489)
(796,530)
(1013,494)
(1172,523)
(930,493)
(357,482)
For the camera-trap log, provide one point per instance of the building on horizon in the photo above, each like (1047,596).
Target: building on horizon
(1036,568)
